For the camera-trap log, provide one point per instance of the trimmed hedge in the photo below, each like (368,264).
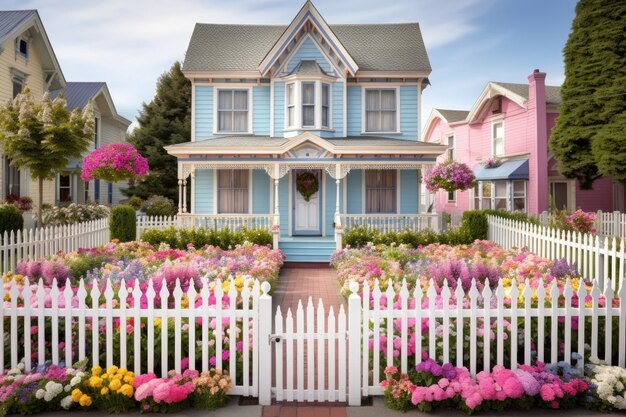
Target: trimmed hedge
(11,219)
(360,236)
(123,223)
(475,225)
(224,238)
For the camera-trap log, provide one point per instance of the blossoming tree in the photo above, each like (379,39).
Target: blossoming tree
(114,163)
(43,136)
(450,176)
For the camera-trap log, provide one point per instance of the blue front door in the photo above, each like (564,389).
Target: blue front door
(307,215)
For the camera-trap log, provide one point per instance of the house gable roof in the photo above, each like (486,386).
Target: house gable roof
(450,117)
(15,22)
(372,47)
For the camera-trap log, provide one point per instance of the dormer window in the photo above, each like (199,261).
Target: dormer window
(22,47)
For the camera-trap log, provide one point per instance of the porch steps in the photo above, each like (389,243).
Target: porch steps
(307,249)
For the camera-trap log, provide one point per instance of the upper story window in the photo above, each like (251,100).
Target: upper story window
(291,105)
(380,110)
(325,105)
(451,146)
(22,47)
(497,135)
(96,134)
(232,111)
(18,85)
(308,104)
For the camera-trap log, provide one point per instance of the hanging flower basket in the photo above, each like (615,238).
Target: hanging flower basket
(114,163)
(450,176)
(494,162)
(307,184)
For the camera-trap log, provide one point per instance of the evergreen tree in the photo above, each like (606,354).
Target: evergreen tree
(166,120)
(588,139)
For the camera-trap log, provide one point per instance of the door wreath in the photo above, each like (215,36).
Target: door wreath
(307,184)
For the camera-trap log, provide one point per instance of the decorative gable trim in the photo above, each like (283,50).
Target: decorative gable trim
(432,118)
(307,14)
(281,70)
(478,110)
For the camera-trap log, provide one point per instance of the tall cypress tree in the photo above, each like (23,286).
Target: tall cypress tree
(166,120)
(586,139)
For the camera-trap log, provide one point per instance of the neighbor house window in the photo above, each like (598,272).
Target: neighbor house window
(501,195)
(380,191)
(519,196)
(559,194)
(291,105)
(451,148)
(232,111)
(65,188)
(497,130)
(110,193)
(96,134)
(22,47)
(12,181)
(18,85)
(325,105)
(232,190)
(86,191)
(380,110)
(451,196)
(308,104)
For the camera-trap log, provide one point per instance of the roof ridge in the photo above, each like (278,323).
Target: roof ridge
(526,84)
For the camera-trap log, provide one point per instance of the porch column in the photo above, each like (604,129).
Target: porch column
(338,173)
(180,196)
(184,195)
(192,184)
(276,173)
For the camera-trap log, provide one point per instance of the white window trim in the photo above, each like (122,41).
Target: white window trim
(453,201)
(379,86)
(250,91)
(17,47)
(287,125)
(448,136)
(318,106)
(493,147)
(571,191)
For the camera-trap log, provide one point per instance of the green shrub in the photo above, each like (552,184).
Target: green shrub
(123,223)
(72,213)
(135,202)
(475,224)
(158,205)
(360,236)
(224,238)
(10,219)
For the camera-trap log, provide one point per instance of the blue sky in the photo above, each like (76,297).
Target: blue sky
(129,43)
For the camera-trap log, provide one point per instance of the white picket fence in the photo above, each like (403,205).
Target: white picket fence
(597,257)
(607,223)
(40,242)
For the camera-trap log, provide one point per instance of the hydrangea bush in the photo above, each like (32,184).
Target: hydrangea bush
(74,213)
(113,163)
(449,176)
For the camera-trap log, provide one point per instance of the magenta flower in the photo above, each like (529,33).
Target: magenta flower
(113,163)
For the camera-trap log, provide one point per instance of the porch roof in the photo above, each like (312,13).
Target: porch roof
(251,144)
(509,170)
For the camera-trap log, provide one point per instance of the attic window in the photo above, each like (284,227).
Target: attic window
(22,47)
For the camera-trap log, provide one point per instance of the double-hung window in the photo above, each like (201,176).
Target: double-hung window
(65,188)
(12,180)
(325,105)
(18,85)
(498,138)
(291,105)
(380,191)
(308,104)
(380,110)
(451,148)
(232,190)
(232,111)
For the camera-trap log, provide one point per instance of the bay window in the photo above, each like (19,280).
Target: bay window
(308,104)
(508,195)
(380,110)
(291,105)
(232,111)
(380,191)
(325,105)
(232,190)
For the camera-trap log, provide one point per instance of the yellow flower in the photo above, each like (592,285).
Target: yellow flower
(95,382)
(506,282)
(76,394)
(104,391)
(122,371)
(96,370)
(184,302)
(85,400)
(105,376)
(239,283)
(157,322)
(126,390)
(128,378)
(112,369)
(115,384)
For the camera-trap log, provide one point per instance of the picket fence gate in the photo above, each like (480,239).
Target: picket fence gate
(597,257)
(46,241)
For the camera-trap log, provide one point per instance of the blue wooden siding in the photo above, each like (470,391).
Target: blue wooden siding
(308,51)
(203,112)
(279,108)
(204,191)
(337,108)
(261,110)
(260,192)
(283,205)
(331,198)
(408,112)
(409,189)
(354,110)
(354,192)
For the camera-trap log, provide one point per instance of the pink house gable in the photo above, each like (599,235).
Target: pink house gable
(527,113)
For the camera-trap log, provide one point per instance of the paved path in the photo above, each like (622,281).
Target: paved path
(301,283)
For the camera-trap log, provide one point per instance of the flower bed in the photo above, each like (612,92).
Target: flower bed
(139,265)
(114,390)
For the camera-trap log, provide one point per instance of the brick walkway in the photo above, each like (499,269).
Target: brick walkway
(297,284)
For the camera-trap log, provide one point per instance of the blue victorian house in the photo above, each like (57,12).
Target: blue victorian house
(306,130)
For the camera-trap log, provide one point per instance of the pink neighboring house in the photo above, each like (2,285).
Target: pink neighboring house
(510,123)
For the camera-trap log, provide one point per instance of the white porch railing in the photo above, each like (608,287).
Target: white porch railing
(392,222)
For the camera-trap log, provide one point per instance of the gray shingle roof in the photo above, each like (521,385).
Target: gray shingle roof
(380,47)
(78,94)
(453,116)
(375,141)
(308,67)
(553,92)
(10,19)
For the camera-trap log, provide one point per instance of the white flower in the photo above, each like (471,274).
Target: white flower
(40,394)
(67,388)
(66,402)
(76,380)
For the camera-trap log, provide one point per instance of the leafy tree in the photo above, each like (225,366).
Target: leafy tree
(589,139)
(44,136)
(166,120)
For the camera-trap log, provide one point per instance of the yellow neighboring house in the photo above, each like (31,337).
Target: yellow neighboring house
(27,60)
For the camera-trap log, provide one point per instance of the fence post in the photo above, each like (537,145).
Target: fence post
(264,346)
(354,346)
